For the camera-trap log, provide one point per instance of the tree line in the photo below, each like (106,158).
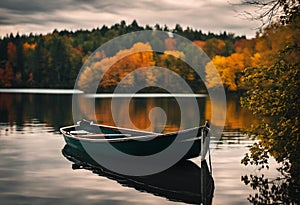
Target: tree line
(54,60)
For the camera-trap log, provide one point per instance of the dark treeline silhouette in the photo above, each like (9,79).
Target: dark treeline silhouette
(54,60)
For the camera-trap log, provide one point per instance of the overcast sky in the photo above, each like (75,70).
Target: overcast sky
(43,16)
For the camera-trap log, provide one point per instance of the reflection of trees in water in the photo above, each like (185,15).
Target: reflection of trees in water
(281,190)
(20,109)
(139,109)
(236,117)
(7,112)
(56,110)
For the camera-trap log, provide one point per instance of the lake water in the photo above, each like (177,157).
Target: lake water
(33,169)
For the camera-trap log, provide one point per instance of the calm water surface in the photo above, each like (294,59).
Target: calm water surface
(33,169)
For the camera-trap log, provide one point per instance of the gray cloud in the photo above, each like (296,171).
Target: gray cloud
(29,6)
(40,15)
(4,20)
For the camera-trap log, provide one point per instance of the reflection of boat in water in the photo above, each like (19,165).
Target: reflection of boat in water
(133,142)
(181,182)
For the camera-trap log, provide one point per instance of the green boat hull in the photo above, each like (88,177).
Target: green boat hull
(131,142)
(136,148)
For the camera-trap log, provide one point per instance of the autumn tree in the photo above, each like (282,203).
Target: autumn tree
(8,75)
(273,98)
(111,71)
(214,47)
(39,64)
(19,63)
(229,69)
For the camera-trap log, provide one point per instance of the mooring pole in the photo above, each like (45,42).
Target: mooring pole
(205,134)
(202,156)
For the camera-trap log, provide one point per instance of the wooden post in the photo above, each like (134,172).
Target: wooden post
(204,146)
(204,140)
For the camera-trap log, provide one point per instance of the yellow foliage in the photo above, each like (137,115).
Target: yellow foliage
(228,69)
(212,76)
(256,60)
(111,70)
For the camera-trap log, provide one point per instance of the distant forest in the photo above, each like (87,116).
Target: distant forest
(54,60)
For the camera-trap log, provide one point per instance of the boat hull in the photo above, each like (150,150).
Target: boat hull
(132,142)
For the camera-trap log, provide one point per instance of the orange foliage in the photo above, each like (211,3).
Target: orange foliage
(260,51)
(11,52)
(112,70)
(240,45)
(28,46)
(214,47)
(6,75)
(199,43)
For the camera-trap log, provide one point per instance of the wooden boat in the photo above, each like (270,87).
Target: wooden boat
(134,142)
(182,182)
